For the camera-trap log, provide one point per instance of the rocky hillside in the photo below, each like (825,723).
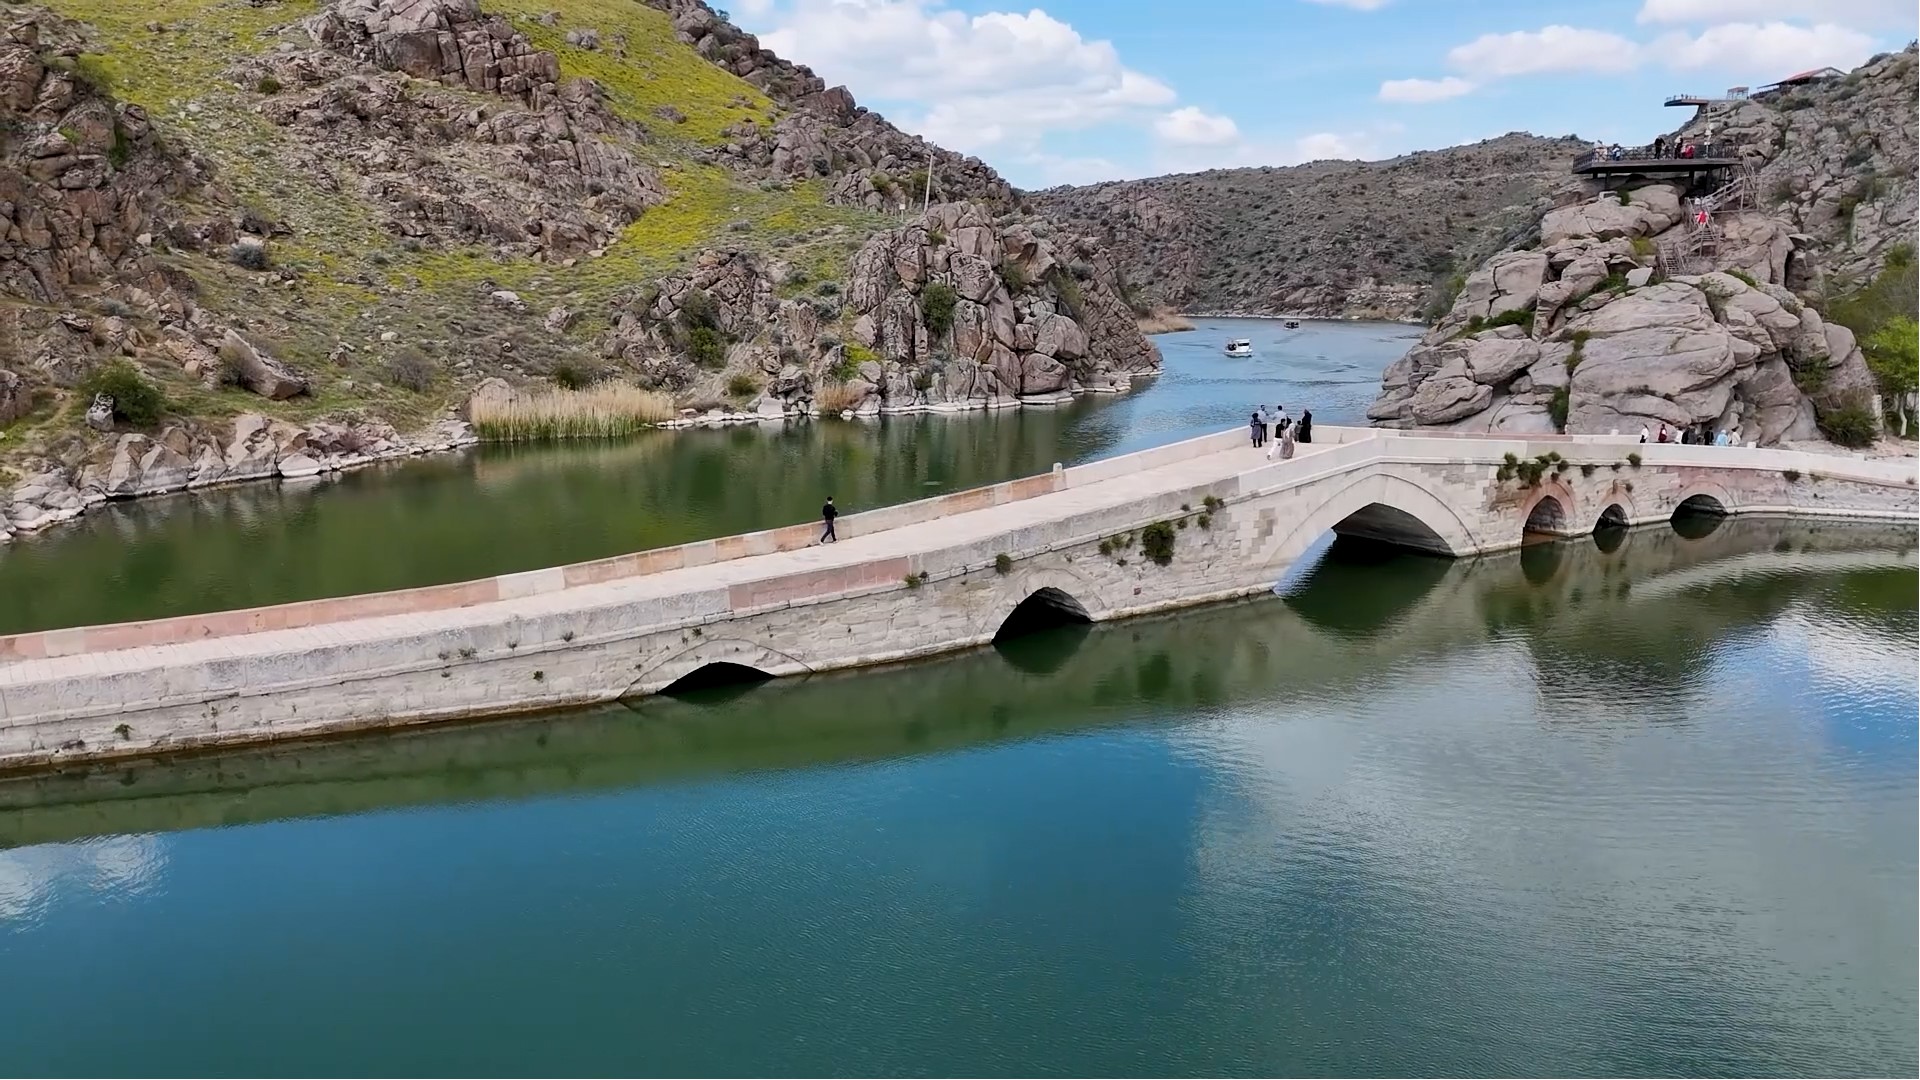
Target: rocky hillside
(1373,238)
(1602,324)
(1836,162)
(274,218)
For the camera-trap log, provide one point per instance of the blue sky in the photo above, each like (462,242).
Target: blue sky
(1072,91)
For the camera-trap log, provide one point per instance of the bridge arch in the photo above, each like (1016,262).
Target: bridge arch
(1704,497)
(1378,506)
(734,652)
(1550,510)
(1051,596)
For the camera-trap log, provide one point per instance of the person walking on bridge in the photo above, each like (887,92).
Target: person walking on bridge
(827,514)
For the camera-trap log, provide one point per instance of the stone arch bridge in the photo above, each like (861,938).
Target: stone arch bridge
(1194,522)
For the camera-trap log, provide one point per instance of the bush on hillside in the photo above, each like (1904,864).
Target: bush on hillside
(936,308)
(136,400)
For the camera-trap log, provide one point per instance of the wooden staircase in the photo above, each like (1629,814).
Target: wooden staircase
(1694,248)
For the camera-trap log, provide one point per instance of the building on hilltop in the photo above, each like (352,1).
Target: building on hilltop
(1806,78)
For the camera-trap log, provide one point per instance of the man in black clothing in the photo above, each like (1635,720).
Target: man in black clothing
(827,514)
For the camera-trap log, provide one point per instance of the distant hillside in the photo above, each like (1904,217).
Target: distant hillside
(1326,238)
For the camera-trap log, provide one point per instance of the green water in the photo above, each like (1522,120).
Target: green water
(1636,808)
(503,509)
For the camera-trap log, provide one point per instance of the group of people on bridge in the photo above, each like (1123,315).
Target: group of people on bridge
(1275,430)
(1701,434)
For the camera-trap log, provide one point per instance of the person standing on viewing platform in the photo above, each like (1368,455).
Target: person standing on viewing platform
(1644,433)
(827,514)
(1259,426)
(1303,431)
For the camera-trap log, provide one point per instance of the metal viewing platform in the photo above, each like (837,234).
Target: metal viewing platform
(1642,160)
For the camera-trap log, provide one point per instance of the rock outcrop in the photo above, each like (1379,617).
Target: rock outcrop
(1326,238)
(1835,162)
(954,310)
(1587,332)
(1582,336)
(191,455)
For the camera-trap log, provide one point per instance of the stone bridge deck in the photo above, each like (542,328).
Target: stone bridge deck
(905,581)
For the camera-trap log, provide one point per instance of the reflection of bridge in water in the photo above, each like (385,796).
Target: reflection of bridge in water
(1338,632)
(1195,522)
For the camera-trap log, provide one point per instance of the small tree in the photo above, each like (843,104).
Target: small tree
(1893,355)
(936,308)
(136,400)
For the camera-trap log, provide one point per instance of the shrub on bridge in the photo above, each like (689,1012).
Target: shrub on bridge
(1156,543)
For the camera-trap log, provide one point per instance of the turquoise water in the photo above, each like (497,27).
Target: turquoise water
(1644,808)
(504,509)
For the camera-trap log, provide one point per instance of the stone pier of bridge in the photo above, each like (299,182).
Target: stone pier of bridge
(905,581)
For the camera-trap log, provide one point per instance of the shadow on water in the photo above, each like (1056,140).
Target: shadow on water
(1357,587)
(1650,606)
(717,683)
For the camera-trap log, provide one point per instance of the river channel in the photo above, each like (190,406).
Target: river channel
(1636,804)
(498,510)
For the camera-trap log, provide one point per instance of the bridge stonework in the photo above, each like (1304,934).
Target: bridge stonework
(931,583)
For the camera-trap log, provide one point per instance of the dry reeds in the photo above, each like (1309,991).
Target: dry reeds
(604,411)
(834,398)
(1163,320)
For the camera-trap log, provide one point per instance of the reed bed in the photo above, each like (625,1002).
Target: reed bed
(834,398)
(1164,320)
(608,410)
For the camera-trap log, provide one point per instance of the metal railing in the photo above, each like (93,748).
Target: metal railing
(1634,155)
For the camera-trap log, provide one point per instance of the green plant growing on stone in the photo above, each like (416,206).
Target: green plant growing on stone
(1558,406)
(124,730)
(539,676)
(1013,276)
(567,637)
(1205,521)
(136,400)
(1003,563)
(1744,278)
(1106,547)
(742,386)
(1212,503)
(1848,421)
(912,581)
(936,307)
(1792,475)
(468,652)
(1586,468)
(1633,459)
(1156,543)
(1625,198)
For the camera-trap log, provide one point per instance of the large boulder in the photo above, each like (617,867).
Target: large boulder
(1647,211)
(257,372)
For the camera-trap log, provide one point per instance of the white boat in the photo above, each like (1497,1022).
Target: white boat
(1240,347)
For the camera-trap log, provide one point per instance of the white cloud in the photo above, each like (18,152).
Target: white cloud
(1423,91)
(751,9)
(1193,127)
(1357,5)
(1857,12)
(1549,49)
(1765,51)
(1056,169)
(983,80)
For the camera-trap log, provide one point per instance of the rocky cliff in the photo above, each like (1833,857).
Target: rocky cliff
(1622,312)
(1373,238)
(342,215)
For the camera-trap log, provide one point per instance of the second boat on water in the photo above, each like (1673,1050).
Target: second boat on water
(1239,347)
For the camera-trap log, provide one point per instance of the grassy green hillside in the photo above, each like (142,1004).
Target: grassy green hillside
(351,280)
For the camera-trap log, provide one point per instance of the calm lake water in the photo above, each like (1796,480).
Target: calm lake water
(1639,804)
(503,509)
(1639,811)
